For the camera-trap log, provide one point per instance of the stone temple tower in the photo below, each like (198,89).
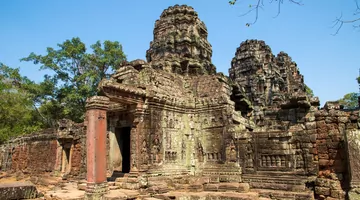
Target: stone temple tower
(178,109)
(180,43)
(173,121)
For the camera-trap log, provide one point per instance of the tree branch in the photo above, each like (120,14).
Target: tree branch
(339,22)
(256,8)
(260,4)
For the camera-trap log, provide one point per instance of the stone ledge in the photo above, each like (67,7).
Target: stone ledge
(18,190)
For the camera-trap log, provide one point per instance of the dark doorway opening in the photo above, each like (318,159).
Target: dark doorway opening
(123,138)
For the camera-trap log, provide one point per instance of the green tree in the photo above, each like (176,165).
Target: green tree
(349,101)
(17,110)
(76,75)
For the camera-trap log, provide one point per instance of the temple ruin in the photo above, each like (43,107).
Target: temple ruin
(173,128)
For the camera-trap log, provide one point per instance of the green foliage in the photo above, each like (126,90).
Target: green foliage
(76,75)
(349,101)
(358,79)
(309,91)
(26,106)
(17,113)
(232,2)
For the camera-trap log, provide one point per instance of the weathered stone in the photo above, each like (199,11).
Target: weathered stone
(322,190)
(353,147)
(322,182)
(180,43)
(310,125)
(18,190)
(173,123)
(337,194)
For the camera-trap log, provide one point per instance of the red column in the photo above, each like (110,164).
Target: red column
(96,146)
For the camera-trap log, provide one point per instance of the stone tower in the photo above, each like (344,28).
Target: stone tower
(178,109)
(180,43)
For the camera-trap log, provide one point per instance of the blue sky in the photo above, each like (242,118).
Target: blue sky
(329,63)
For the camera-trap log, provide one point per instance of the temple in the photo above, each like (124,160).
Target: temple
(172,123)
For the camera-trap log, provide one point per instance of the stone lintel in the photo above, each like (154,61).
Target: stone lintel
(97,102)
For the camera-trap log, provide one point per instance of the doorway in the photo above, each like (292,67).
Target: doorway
(66,158)
(123,140)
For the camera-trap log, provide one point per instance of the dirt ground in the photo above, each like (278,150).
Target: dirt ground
(47,184)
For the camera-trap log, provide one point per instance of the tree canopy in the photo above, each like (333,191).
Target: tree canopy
(349,101)
(26,106)
(17,113)
(76,75)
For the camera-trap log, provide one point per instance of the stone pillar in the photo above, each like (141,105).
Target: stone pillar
(353,151)
(96,108)
(135,137)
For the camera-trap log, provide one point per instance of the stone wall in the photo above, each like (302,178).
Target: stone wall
(334,152)
(44,151)
(31,154)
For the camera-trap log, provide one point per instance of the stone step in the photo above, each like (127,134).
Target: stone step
(81,186)
(128,186)
(209,195)
(279,177)
(120,180)
(287,183)
(284,195)
(225,187)
(127,179)
(18,190)
(121,194)
(115,187)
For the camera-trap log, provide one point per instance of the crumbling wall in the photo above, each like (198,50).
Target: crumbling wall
(78,158)
(31,153)
(43,151)
(331,153)
(336,155)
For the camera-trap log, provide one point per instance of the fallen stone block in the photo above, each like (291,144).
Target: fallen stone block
(18,190)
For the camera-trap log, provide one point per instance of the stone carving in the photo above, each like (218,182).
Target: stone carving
(256,127)
(155,151)
(183,149)
(144,153)
(231,152)
(200,152)
(180,43)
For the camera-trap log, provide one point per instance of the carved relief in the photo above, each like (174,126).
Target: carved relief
(155,151)
(144,153)
(183,150)
(231,152)
(168,140)
(200,152)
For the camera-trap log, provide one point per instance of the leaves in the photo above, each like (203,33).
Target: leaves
(26,106)
(76,75)
(349,101)
(232,2)
(17,114)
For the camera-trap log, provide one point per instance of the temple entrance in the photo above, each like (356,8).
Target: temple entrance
(123,140)
(66,159)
